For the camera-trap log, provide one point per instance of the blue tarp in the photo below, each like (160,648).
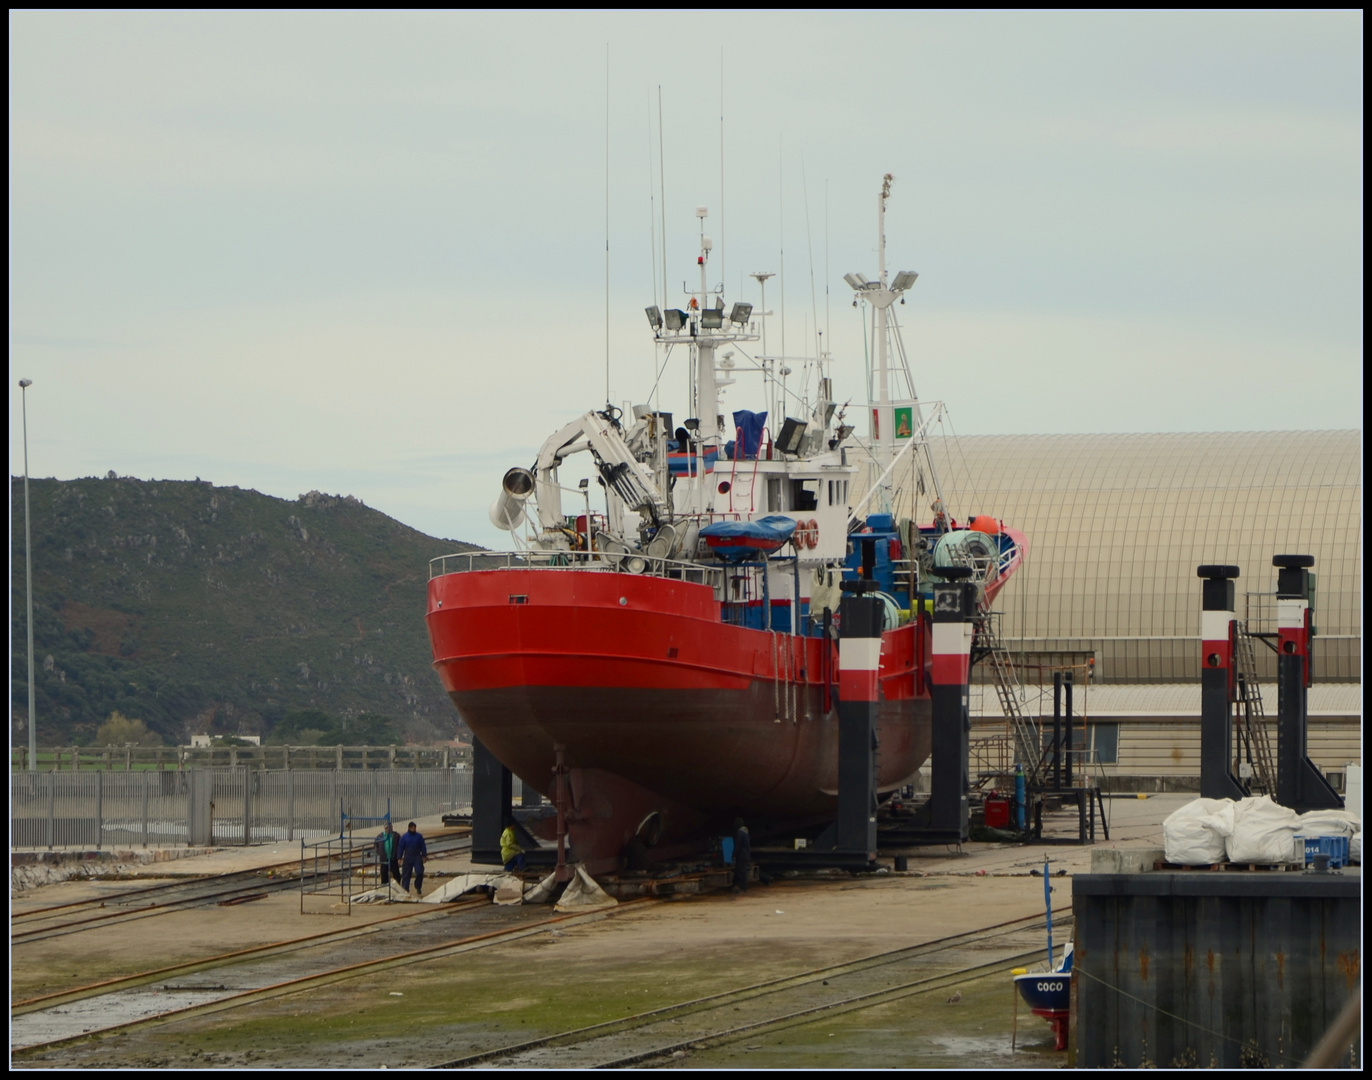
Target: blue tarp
(748,430)
(739,541)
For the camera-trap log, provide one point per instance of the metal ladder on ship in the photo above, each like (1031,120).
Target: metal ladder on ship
(1253,742)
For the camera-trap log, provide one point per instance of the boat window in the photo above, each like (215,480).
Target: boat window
(774,500)
(804,495)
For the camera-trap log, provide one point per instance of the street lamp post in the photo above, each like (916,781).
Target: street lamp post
(24,385)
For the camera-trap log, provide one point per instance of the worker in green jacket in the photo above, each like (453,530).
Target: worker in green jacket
(511,854)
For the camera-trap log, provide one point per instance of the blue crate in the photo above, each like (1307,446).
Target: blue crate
(1336,847)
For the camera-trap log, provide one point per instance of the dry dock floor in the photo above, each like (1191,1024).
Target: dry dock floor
(651,954)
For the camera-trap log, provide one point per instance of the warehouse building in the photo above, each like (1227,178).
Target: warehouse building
(1117,525)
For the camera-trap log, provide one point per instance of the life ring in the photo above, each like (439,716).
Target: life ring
(807,533)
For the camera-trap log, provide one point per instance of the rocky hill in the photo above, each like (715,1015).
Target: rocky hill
(199,608)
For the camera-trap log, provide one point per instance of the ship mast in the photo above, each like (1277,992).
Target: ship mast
(894,418)
(884,435)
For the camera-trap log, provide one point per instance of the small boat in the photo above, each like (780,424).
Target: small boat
(740,541)
(1049,993)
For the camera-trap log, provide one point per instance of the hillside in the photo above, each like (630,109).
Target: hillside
(200,608)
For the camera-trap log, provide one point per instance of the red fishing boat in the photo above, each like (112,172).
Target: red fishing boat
(672,657)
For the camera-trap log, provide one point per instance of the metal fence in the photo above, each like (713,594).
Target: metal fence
(219,806)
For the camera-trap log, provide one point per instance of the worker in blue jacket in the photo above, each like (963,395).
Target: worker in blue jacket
(413,852)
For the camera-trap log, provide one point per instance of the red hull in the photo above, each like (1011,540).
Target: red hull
(659,706)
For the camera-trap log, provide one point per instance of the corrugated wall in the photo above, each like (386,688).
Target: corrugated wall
(1117,525)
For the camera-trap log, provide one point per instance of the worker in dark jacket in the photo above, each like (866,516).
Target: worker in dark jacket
(388,854)
(743,856)
(413,852)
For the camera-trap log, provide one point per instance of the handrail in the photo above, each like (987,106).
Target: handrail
(584,561)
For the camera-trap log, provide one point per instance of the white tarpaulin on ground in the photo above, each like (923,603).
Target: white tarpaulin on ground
(1195,834)
(498,883)
(583,894)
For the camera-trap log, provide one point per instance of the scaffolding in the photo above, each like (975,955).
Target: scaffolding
(342,867)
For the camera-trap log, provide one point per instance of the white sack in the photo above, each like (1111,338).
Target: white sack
(1329,823)
(1263,832)
(1195,834)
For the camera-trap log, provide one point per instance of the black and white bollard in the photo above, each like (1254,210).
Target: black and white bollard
(954,606)
(1300,785)
(1217,682)
(859,661)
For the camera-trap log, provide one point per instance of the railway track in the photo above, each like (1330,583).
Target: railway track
(142,978)
(40,924)
(239,979)
(779,1003)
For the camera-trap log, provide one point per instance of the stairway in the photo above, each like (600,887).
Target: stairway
(1254,743)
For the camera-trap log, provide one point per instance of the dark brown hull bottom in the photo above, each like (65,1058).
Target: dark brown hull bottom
(698,758)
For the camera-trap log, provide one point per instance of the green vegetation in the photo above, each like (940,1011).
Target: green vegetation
(120,730)
(312,727)
(204,609)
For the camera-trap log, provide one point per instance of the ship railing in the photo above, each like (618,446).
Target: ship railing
(640,565)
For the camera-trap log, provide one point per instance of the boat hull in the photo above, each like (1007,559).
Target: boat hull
(657,705)
(1048,994)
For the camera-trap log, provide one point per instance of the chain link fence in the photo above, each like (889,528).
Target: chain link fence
(219,806)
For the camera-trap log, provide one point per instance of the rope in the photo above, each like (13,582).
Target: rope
(1173,1016)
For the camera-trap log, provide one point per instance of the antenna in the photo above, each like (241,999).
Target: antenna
(662,191)
(721,164)
(781,228)
(810,244)
(607,224)
(652,215)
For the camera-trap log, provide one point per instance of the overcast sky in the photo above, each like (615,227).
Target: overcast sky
(365,253)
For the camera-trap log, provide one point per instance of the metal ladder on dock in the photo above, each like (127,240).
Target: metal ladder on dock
(1023,735)
(1254,743)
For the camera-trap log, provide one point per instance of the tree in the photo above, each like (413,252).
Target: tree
(370,729)
(121,730)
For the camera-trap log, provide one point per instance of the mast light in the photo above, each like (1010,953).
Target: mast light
(676,318)
(741,313)
(712,318)
(904,280)
(654,316)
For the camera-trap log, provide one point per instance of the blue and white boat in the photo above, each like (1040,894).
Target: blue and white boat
(1049,993)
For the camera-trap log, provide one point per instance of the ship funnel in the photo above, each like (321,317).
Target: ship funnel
(507,512)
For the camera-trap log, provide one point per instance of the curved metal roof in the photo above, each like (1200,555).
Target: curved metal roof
(1117,525)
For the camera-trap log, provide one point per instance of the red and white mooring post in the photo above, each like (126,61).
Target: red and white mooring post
(954,607)
(1217,682)
(861,619)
